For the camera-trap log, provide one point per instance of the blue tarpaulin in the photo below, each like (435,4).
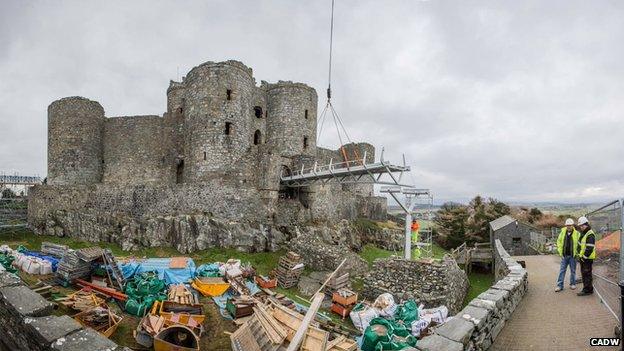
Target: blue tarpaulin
(53,260)
(161,266)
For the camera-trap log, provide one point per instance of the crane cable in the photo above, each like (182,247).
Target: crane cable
(328,106)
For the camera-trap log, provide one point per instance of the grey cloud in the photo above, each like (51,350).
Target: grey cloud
(518,100)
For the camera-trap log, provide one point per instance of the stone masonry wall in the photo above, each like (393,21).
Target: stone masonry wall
(134,151)
(478,324)
(430,282)
(28,324)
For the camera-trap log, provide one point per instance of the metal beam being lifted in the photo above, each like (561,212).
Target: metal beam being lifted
(355,171)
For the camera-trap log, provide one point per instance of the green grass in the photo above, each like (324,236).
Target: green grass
(479,282)
(262,261)
(371,252)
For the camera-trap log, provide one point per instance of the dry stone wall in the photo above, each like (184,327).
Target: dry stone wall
(478,324)
(28,324)
(430,282)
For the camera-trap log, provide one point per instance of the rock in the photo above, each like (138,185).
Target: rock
(86,339)
(308,286)
(26,302)
(47,329)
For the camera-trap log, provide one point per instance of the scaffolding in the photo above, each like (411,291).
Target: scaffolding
(413,198)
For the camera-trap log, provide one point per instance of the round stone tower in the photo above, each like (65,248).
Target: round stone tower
(218,129)
(291,121)
(75,128)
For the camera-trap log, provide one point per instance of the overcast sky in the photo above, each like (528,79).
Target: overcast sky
(518,100)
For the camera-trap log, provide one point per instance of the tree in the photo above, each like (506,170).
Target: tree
(8,194)
(468,223)
(451,219)
(534,215)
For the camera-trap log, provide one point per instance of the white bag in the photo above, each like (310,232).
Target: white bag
(437,314)
(386,305)
(361,319)
(46,267)
(34,267)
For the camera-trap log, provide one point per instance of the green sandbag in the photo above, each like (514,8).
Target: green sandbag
(407,312)
(142,291)
(378,331)
(6,261)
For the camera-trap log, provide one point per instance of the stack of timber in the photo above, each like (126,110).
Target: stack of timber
(179,293)
(289,270)
(315,338)
(42,289)
(337,282)
(261,332)
(341,343)
(81,300)
(53,249)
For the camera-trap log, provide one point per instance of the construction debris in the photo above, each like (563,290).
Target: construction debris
(289,270)
(343,302)
(177,338)
(73,267)
(81,300)
(179,293)
(100,319)
(53,249)
(240,306)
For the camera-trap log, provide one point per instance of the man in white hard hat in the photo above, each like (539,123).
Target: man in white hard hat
(567,243)
(586,254)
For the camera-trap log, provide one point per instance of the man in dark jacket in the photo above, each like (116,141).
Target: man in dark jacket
(586,254)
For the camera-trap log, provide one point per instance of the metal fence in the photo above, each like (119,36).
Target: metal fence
(606,221)
(13,213)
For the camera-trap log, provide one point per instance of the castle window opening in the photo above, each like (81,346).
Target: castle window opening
(258,111)
(306,114)
(180,171)
(305,142)
(266,113)
(204,155)
(257,137)
(229,94)
(228,128)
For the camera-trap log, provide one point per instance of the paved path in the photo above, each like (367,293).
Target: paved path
(546,320)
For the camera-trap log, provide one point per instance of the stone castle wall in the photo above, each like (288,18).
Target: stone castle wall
(75,126)
(218,151)
(478,324)
(134,152)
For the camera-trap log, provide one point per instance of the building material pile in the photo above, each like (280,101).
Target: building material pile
(72,267)
(53,249)
(343,301)
(181,294)
(338,282)
(289,270)
(81,300)
(100,319)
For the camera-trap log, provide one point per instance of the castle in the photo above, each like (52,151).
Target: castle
(216,154)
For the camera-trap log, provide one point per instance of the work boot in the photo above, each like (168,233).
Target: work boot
(584,293)
(558,289)
(572,286)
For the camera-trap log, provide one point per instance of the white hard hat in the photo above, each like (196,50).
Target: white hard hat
(582,220)
(569,221)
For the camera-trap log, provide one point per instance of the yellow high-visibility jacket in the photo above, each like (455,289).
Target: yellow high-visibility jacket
(561,241)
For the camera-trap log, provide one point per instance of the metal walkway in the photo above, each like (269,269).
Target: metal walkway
(356,171)
(16,179)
